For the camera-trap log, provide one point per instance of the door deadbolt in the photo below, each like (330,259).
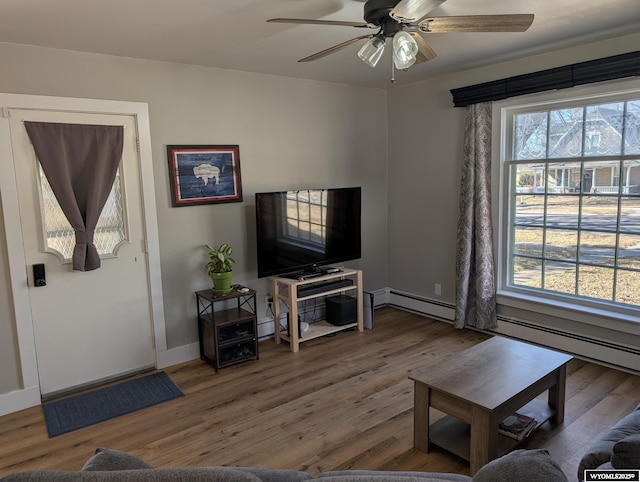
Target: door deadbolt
(39,277)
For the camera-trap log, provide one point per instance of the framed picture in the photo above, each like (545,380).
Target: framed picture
(204,174)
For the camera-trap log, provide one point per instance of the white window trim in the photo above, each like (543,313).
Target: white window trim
(593,312)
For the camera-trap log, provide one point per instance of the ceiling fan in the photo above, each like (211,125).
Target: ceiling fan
(404,21)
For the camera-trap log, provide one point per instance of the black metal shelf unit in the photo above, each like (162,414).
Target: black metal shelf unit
(230,334)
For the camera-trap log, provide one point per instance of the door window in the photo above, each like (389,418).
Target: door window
(59,237)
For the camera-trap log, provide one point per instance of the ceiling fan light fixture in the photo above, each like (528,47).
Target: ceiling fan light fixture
(371,52)
(405,50)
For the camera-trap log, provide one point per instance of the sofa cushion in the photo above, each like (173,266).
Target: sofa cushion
(426,477)
(529,465)
(110,459)
(390,476)
(106,459)
(275,475)
(626,453)
(600,452)
(190,474)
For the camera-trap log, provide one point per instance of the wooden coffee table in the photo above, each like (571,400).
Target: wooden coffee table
(480,387)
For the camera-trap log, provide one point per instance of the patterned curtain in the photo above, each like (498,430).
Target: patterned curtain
(475,286)
(80,162)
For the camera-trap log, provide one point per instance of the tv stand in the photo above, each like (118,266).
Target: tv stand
(287,289)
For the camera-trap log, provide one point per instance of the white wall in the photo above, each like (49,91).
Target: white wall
(292,134)
(425,146)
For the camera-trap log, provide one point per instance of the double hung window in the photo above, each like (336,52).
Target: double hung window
(571,184)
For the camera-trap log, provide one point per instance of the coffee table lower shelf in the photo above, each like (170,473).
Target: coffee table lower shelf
(454,435)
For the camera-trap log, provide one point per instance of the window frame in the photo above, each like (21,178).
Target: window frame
(584,310)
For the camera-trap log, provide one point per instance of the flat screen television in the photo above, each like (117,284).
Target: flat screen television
(299,232)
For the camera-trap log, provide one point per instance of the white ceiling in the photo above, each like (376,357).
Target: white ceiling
(233,34)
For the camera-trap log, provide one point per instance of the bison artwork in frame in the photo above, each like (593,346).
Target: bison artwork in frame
(204,174)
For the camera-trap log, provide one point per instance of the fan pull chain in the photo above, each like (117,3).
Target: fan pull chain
(393,71)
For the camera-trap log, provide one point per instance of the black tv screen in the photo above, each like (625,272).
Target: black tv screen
(298,231)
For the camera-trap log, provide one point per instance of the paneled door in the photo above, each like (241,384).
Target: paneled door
(88,326)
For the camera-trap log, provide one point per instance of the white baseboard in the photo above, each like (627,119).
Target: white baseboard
(381,297)
(266,326)
(178,355)
(600,351)
(19,400)
(424,306)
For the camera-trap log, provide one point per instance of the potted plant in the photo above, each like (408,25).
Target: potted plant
(220,268)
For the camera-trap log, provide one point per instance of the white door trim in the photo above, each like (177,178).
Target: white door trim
(29,394)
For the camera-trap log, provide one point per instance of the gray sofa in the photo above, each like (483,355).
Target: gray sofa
(108,465)
(619,448)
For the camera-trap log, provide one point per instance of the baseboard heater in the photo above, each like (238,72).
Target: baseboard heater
(317,288)
(601,351)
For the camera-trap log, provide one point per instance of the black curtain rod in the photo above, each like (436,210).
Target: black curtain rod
(599,70)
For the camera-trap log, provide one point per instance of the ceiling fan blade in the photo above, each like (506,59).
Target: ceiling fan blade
(307,21)
(333,49)
(413,10)
(478,23)
(425,52)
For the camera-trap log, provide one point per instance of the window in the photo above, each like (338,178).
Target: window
(572,192)
(60,237)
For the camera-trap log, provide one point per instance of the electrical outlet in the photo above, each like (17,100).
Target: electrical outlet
(438,289)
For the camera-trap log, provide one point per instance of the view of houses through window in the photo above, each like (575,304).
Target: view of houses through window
(574,200)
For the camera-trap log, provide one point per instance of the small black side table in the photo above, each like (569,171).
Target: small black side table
(229,335)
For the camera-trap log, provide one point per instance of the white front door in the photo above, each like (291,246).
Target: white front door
(95,325)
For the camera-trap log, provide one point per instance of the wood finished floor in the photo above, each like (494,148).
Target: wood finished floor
(342,402)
